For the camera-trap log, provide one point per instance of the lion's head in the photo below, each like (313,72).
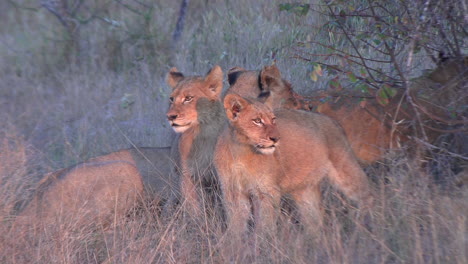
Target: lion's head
(188,93)
(244,82)
(266,84)
(253,122)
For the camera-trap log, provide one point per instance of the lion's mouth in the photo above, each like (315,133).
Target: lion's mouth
(266,149)
(180,128)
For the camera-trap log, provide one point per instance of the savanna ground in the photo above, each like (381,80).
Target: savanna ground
(69,94)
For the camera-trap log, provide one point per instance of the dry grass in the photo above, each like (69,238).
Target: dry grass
(57,112)
(412,221)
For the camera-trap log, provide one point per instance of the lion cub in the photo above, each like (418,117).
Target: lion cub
(263,155)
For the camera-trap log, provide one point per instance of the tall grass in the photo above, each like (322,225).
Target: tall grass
(412,221)
(57,111)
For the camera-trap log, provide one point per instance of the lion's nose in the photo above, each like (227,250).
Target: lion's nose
(275,138)
(171,117)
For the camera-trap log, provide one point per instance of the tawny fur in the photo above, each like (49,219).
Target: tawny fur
(101,189)
(310,147)
(371,128)
(196,113)
(268,83)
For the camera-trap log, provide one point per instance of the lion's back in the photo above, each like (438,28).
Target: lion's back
(86,193)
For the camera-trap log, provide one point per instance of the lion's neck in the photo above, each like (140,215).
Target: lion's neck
(204,136)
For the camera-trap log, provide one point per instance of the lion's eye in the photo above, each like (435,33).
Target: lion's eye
(171,99)
(258,121)
(188,99)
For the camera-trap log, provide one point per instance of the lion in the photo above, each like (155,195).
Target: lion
(366,133)
(102,188)
(371,128)
(197,115)
(267,82)
(263,155)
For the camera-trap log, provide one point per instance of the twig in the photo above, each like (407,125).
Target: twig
(402,75)
(344,53)
(352,44)
(143,4)
(129,7)
(427,144)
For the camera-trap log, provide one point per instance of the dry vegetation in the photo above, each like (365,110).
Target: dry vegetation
(61,104)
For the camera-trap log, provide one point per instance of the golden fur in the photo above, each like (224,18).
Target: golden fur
(265,83)
(371,128)
(263,155)
(102,188)
(196,113)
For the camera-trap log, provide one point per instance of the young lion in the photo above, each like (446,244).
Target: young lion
(263,155)
(196,113)
(267,82)
(368,135)
(371,128)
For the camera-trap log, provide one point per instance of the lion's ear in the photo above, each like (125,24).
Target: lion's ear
(234,73)
(270,77)
(266,98)
(234,104)
(214,81)
(174,77)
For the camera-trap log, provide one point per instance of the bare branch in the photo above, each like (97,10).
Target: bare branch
(363,62)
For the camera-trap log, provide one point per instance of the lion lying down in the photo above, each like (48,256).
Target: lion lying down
(101,189)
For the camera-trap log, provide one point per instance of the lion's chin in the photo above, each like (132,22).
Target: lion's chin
(266,150)
(180,128)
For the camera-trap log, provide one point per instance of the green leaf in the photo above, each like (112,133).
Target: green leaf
(363,72)
(296,8)
(284,7)
(382,97)
(391,92)
(352,77)
(127,100)
(384,94)
(363,88)
(361,36)
(335,84)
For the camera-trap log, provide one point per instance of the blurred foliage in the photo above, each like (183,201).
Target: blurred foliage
(365,44)
(296,8)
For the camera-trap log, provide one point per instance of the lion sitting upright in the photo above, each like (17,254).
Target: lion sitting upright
(263,155)
(196,113)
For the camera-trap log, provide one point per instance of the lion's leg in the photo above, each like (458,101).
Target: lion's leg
(266,209)
(352,181)
(348,176)
(190,196)
(237,206)
(308,202)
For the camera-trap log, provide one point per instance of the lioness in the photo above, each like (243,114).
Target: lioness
(196,113)
(263,155)
(102,188)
